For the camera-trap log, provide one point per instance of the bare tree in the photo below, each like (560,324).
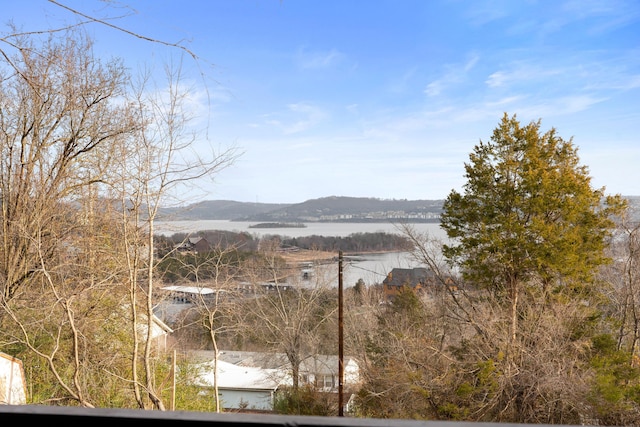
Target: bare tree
(57,121)
(623,276)
(159,159)
(74,139)
(215,300)
(288,316)
(57,115)
(441,354)
(82,153)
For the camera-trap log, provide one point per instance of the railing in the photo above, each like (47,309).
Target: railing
(22,415)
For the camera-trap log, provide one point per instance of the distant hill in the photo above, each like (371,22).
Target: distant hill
(358,209)
(324,209)
(218,209)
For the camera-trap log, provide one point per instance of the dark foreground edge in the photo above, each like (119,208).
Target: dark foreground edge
(22,415)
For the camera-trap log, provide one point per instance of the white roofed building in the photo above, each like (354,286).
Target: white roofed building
(249,380)
(242,387)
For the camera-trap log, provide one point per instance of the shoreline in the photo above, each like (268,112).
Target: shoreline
(309,255)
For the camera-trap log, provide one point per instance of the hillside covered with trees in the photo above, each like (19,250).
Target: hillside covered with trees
(326,209)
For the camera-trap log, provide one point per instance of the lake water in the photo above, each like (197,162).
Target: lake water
(328,229)
(372,268)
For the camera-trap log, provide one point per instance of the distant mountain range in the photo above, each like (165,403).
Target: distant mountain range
(326,209)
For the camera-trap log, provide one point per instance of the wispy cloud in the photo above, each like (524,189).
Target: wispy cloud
(318,60)
(602,15)
(195,103)
(454,74)
(502,102)
(577,103)
(352,108)
(401,84)
(522,72)
(299,118)
(582,72)
(594,17)
(556,107)
(616,70)
(497,79)
(482,13)
(435,87)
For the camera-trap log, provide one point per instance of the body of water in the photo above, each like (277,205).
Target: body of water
(328,229)
(371,268)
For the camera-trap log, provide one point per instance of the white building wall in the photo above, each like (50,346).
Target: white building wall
(247,399)
(12,382)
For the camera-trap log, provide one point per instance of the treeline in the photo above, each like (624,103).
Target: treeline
(234,249)
(217,239)
(357,242)
(245,242)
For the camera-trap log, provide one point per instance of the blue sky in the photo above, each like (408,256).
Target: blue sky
(383,98)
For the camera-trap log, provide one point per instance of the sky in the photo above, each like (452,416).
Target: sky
(380,98)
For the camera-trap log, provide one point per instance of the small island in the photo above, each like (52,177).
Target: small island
(278,225)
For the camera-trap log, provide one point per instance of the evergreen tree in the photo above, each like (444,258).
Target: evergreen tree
(528,216)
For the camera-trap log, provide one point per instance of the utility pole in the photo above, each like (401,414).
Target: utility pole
(340,340)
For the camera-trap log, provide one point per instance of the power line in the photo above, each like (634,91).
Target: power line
(367,270)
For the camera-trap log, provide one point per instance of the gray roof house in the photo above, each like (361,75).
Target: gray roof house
(411,278)
(194,245)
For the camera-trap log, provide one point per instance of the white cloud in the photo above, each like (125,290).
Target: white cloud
(633,82)
(434,88)
(574,104)
(496,79)
(504,101)
(455,74)
(555,107)
(299,118)
(319,60)
(471,63)
(401,84)
(604,15)
(353,108)
(523,72)
(482,13)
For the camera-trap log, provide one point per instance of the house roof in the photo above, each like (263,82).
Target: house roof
(191,242)
(255,358)
(236,377)
(408,276)
(240,370)
(319,364)
(198,290)
(158,327)
(245,358)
